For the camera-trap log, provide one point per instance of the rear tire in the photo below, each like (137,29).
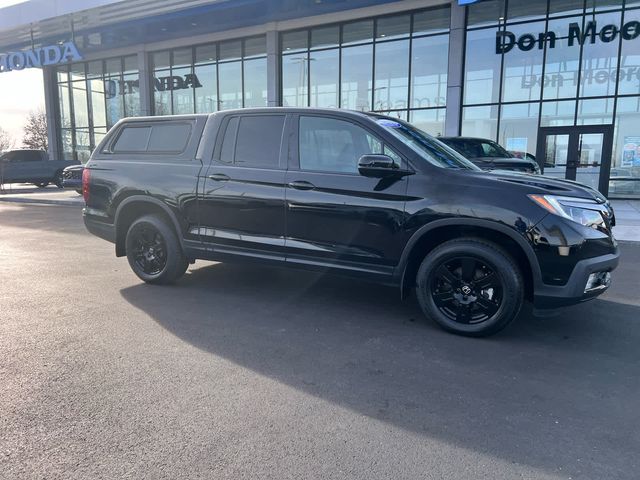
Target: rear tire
(41,184)
(470,287)
(154,252)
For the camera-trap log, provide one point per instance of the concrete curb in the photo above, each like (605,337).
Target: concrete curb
(42,201)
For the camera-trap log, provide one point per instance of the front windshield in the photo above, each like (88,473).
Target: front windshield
(425,145)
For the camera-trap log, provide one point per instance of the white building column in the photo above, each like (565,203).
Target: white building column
(273,70)
(455,79)
(51,110)
(146,92)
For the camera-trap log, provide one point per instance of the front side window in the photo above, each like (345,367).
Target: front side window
(32,156)
(473,148)
(331,145)
(492,149)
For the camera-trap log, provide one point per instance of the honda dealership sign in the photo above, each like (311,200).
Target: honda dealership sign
(40,57)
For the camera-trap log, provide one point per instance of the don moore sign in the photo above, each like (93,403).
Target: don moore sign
(576,35)
(40,57)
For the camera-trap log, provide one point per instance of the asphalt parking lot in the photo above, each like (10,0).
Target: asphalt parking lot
(253,372)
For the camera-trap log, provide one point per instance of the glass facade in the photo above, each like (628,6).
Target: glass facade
(527,67)
(394,64)
(92,97)
(558,63)
(212,77)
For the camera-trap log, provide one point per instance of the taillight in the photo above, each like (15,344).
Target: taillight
(86,176)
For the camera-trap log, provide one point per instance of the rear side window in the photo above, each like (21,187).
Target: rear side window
(158,138)
(253,141)
(229,141)
(132,139)
(169,138)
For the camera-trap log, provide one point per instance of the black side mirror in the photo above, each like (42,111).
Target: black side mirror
(377,166)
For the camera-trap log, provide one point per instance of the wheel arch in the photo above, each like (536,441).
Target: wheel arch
(136,206)
(430,236)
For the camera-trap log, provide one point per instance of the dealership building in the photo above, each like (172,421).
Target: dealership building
(558,79)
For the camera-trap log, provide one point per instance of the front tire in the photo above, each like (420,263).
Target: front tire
(470,287)
(154,252)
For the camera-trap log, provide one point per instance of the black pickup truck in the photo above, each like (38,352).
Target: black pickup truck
(31,166)
(353,193)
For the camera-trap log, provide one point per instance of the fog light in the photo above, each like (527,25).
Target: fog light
(598,281)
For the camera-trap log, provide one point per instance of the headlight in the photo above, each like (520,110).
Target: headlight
(580,210)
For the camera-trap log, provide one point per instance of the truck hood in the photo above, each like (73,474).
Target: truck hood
(549,185)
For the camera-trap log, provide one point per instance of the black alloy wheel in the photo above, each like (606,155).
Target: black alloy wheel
(467,290)
(154,251)
(149,250)
(470,286)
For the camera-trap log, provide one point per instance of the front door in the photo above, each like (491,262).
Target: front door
(337,217)
(581,153)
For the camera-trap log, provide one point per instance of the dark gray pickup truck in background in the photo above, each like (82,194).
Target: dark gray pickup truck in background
(31,166)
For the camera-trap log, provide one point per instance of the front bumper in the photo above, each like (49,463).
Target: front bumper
(72,183)
(554,296)
(72,177)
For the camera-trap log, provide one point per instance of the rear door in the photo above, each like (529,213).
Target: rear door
(242,207)
(35,167)
(335,216)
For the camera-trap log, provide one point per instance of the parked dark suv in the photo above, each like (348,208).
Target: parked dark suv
(355,193)
(489,155)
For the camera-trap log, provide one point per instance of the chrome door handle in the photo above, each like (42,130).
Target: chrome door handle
(219,177)
(301,185)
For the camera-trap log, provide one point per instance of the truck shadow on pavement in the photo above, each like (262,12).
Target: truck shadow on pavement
(555,393)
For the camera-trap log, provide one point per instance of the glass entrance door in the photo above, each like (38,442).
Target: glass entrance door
(581,153)
(588,167)
(555,160)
